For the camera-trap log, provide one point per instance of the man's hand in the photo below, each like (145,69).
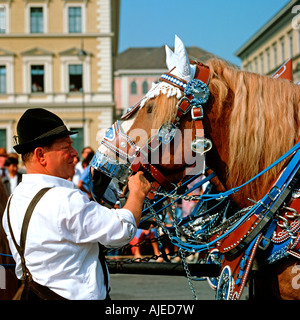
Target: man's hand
(138,187)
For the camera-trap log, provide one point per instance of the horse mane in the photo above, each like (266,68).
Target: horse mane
(264,122)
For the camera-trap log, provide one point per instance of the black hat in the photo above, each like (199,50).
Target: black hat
(37,127)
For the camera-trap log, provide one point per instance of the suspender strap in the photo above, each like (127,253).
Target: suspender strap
(104,268)
(21,248)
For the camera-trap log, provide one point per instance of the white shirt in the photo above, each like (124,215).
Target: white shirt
(63,234)
(13,182)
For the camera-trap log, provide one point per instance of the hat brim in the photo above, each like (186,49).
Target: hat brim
(43,139)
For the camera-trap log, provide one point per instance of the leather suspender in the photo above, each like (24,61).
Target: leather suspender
(102,260)
(21,248)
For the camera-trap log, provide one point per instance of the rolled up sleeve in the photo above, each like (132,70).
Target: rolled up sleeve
(87,221)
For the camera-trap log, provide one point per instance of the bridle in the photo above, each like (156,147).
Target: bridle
(195,96)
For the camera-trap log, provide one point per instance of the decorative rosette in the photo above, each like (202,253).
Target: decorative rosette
(199,90)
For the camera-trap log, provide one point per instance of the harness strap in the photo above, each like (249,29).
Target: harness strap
(270,214)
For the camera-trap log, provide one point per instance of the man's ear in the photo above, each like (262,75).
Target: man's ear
(39,153)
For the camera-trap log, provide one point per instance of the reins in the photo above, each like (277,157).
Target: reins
(265,208)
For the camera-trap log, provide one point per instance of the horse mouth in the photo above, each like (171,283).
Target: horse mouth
(111,168)
(110,178)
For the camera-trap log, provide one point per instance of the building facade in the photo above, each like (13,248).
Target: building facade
(58,54)
(276,42)
(137,68)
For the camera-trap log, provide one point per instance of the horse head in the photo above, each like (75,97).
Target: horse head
(162,134)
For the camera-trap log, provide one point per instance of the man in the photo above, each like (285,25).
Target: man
(65,228)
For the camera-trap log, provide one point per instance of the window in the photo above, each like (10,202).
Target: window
(133,87)
(282,49)
(261,59)
(75,77)
(36,20)
(3,138)
(255,65)
(75,20)
(145,87)
(2,79)
(78,141)
(298,41)
(291,47)
(37,78)
(249,67)
(2,20)
(275,54)
(268,60)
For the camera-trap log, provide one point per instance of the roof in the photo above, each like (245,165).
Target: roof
(155,58)
(278,17)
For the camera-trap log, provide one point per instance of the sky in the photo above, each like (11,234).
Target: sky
(218,26)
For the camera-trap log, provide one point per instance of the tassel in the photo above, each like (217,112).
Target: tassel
(157,89)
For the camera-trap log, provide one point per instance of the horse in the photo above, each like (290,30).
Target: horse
(6,260)
(238,124)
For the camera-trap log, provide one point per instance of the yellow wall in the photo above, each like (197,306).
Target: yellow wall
(96,40)
(269,45)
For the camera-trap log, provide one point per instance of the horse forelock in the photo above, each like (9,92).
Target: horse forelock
(263,125)
(163,109)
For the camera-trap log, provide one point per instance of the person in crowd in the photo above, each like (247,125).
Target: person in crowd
(139,243)
(13,177)
(81,165)
(84,182)
(3,157)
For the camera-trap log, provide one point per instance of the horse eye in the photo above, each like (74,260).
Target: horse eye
(149,108)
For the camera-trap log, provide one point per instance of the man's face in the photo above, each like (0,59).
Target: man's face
(60,158)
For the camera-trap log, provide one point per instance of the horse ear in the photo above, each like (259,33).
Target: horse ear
(183,63)
(170,58)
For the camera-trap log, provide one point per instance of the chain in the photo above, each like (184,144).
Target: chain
(285,225)
(188,273)
(181,251)
(176,196)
